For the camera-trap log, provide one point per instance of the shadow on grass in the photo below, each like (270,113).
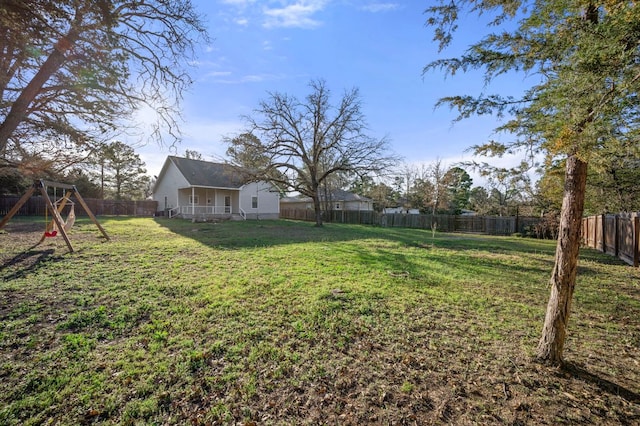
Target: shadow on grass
(605,385)
(268,233)
(26,262)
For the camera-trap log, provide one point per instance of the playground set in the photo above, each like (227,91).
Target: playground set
(55,208)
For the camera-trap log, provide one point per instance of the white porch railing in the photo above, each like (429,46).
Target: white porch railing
(205,210)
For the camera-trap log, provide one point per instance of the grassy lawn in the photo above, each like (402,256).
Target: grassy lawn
(279,322)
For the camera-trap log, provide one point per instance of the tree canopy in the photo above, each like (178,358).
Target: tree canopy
(123,173)
(73,71)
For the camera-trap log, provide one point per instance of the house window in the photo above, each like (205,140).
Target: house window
(208,201)
(337,206)
(194,199)
(254,202)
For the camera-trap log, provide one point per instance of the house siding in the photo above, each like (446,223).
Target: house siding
(209,183)
(336,204)
(268,201)
(167,186)
(355,206)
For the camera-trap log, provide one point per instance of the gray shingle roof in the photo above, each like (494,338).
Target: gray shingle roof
(206,173)
(336,195)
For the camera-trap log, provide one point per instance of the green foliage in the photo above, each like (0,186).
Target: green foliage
(585,55)
(458,184)
(611,185)
(12,182)
(122,171)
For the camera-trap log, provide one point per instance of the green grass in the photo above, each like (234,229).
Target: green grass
(279,322)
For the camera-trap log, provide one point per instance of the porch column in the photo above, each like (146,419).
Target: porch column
(193,201)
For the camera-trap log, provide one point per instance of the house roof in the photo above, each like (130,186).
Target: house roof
(206,173)
(336,195)
(340,195)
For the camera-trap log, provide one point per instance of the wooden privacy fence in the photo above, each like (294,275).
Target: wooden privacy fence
(492,225)
(614,234)
(35,206)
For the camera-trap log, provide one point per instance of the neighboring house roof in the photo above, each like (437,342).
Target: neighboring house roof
(340,195)
(206,173)
(295,200)
(336,195)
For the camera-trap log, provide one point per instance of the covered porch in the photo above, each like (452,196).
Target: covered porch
(207,203)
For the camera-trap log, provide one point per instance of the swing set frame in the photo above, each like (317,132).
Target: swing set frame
(54,209)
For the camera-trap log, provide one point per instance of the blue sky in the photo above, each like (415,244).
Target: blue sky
(378,47)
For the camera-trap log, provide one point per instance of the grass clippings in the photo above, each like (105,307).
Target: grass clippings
(279,322)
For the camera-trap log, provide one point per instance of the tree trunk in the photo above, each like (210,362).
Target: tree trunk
(318,211)
(20,106)
(563,277)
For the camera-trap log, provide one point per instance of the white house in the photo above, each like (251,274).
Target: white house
(194,188)
(400,210)
(338,200)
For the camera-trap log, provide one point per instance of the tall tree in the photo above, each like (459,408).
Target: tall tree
(507,185)
(459,185)
(586,54)
(309,142)
(125,173)
(613,180)
(73,71)
(192,154)
(383,196)
(480,201)
(439,195)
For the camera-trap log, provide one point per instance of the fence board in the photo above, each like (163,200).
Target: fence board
(617,235)
(35,206)
(495,225)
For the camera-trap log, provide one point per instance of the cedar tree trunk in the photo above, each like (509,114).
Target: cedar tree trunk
(563,277)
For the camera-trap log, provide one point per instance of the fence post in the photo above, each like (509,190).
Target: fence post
(603,245)
(636,239)
(616,234)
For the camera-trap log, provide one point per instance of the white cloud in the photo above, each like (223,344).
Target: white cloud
(276,13)
(216,74)
(238,3)
(295,15)
(380,7)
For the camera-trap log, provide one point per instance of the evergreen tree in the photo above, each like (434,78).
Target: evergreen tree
(124,172)
(586,56)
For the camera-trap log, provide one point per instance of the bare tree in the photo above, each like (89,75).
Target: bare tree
(192,154)
(309,142)
(437,175)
